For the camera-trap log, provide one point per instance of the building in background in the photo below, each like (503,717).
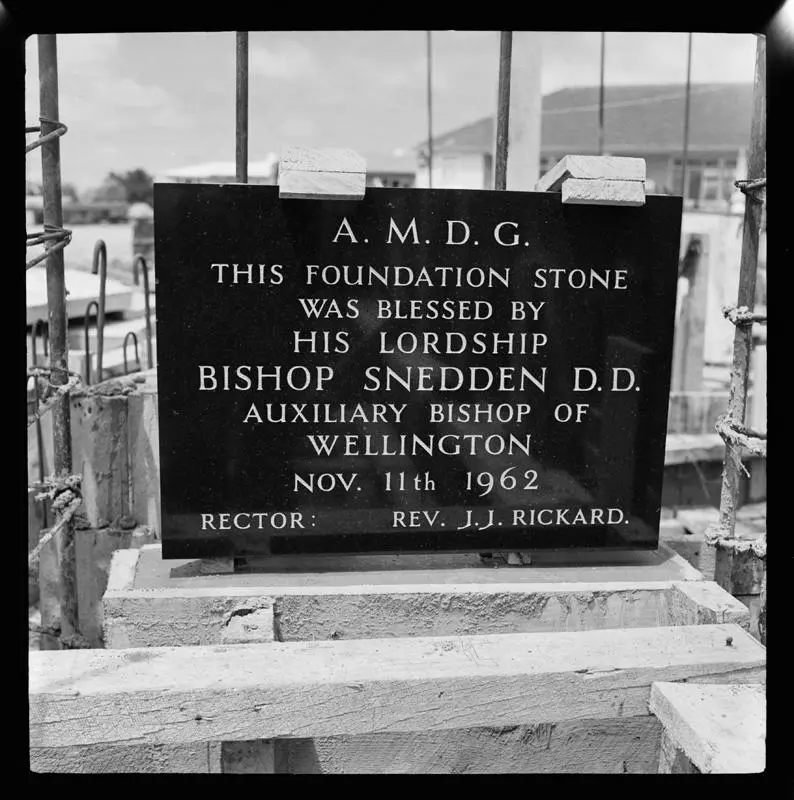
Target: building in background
(105,204)
(641,121)
(397,168)
(259,172)
(394,169)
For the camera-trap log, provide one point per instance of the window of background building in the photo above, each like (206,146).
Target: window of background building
(709,181)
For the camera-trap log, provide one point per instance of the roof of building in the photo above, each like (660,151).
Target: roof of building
(637,119)
(398,161)
(223,169)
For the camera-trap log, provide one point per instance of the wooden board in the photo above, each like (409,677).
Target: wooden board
(592,168)
(583,192)
(720,729)
(198,758)
(618,746)
(321,173)
(306,689)
(82,288)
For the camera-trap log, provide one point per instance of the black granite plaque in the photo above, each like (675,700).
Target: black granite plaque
(421,370)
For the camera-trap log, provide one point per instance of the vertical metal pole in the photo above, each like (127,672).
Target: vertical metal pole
(743,336)
(503,110)
(57,316)
(242,107)
(601,97)
(685,153)
(429,110)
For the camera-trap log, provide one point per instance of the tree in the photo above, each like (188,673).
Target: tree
(69,191)
(112,190)
(138,185)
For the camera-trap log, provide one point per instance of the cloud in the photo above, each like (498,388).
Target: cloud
(286,61)
(101,106)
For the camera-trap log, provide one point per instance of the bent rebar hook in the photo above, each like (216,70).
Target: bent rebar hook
(135,343)
(100,264)
(34,356)
(139,259)
(86,318)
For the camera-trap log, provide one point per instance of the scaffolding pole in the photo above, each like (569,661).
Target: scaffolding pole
(57,317)
(241,133)
(743,335)
(503,110)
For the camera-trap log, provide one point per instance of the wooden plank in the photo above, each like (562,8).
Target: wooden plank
(721,729)
(592,168)
(283,690)
(196,758)
(583,192)
(321,173)
(248,758)
(321,159)
(706,603)
(617,746)
(184,616)
(321,185)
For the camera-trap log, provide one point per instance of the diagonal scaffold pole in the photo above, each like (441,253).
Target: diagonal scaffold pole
(58,319)
(743,335)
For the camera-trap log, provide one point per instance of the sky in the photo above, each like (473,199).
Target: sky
(165,100)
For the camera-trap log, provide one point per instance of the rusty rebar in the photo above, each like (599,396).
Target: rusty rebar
(139,259)
(241,137)
(503,110)
(87,340)
(100,265)
(34,357)
(58,319)
(134,337)
(58,131)
(743,334)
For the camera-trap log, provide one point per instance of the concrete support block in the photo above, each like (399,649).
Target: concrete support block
(94,549)
(144,453)
(326,173)
(100,456)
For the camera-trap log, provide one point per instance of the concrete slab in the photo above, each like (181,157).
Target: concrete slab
(553,567)
(82,288)
(720,729)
